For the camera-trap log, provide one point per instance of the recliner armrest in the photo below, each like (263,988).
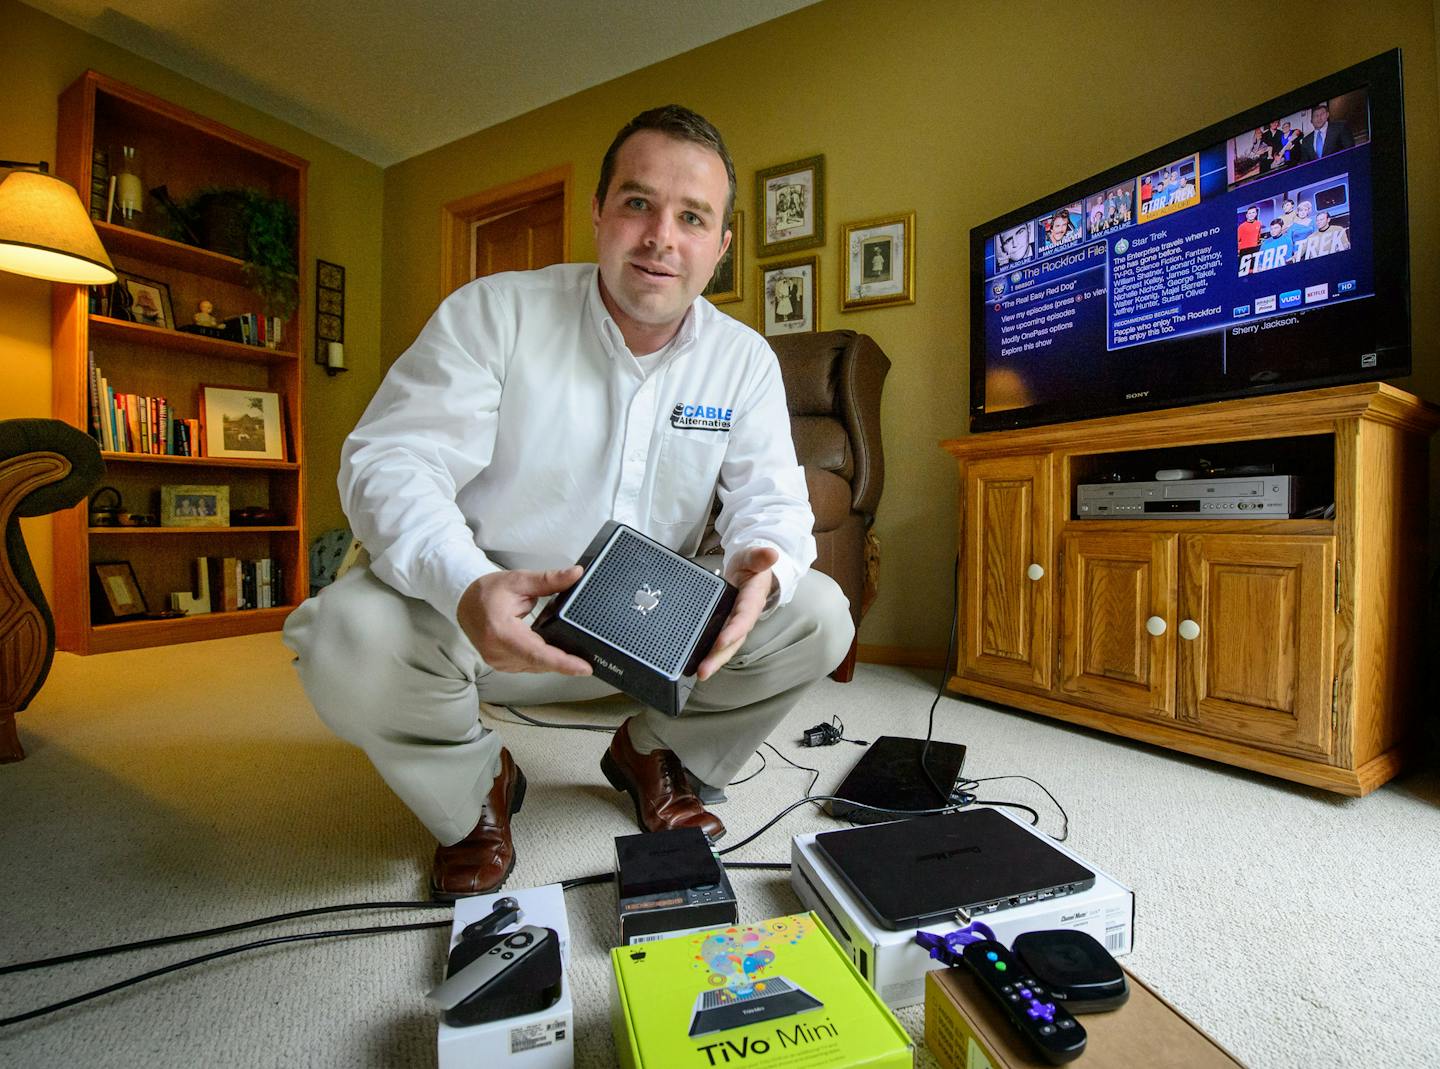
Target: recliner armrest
(863,368)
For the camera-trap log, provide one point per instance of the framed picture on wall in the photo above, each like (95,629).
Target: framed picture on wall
(789,302)
(879,262)
(790,206)
(725,284)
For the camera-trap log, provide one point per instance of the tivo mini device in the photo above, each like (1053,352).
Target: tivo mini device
(1251,497)
(889,777)
(766,1000)
(910,872)
(670,883)
(642,615)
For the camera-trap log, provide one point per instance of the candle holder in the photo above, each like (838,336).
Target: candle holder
(330,317)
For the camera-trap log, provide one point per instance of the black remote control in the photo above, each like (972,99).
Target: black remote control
(1050,1028)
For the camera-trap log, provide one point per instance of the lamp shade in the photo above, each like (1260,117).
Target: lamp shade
(45,232)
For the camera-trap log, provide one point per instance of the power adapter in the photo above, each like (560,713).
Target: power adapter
(827,735)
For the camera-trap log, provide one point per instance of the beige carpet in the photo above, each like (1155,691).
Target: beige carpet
(183,788)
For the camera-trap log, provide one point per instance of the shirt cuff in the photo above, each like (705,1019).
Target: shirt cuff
(444,576)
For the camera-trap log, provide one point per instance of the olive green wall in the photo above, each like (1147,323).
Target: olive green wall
(959,111)
(41,56)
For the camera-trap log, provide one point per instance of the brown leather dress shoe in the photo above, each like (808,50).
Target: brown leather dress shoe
(481,862)
(656,784)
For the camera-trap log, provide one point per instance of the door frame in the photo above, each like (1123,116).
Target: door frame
(458,216)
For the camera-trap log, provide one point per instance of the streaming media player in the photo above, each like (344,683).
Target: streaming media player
(641,614)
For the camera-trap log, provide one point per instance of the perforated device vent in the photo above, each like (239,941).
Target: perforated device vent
(647,601)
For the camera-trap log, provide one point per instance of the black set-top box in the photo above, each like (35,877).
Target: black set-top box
(641,614)
(670,882)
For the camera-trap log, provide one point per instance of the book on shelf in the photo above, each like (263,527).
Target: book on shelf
(238,584)
(99,183)
(94,380)
(129,423)
(100,299)
(249,328)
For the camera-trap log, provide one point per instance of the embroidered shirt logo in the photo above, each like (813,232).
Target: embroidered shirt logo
(701,417)
(646,600)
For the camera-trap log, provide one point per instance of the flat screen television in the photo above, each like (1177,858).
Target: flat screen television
(1258,255)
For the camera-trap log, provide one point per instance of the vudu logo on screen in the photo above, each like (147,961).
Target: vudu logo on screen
(1290,298)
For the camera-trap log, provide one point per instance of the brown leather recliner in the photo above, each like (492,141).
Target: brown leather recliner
(833,381)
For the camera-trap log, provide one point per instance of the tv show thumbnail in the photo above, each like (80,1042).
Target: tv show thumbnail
(1062,227)
(1014,246)
(1111,209)
(1170,189)
(1305,223)
(1321,130)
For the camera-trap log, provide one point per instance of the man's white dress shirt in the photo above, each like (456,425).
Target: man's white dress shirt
(519,422)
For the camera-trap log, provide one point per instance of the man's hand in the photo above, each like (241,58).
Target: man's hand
(492,614)
(751,573)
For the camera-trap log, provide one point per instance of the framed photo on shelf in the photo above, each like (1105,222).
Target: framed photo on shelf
(879,262)
(790,206)
(146,301)
(194,506)
(241,423)
(725,284)
(115,593)
(788,297)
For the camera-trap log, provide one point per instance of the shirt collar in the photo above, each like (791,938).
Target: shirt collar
(612,338)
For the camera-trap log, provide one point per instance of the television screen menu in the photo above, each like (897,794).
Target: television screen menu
(1240,238)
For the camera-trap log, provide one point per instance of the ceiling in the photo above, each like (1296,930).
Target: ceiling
(388,81)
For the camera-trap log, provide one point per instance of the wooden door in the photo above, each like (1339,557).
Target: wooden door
(1260,668)
(1006,586)
(1117,636)
(515,227)
(519,239)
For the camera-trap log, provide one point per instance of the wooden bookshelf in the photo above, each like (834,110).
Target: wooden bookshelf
(186,153)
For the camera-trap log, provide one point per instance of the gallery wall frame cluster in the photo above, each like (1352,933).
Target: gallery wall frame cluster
(877,254)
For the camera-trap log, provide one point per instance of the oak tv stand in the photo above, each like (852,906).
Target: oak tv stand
(1285,646)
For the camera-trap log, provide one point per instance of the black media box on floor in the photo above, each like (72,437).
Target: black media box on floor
(643,615)
(670,883)
(532,984)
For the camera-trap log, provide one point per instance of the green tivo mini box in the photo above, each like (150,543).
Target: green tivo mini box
(780,993)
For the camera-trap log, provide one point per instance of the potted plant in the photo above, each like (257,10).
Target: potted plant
(252,226)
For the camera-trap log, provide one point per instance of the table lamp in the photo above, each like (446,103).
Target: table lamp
(45,232)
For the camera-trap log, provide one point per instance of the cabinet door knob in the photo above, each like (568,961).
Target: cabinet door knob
(1035,572)
(1189,630)
(1155,626)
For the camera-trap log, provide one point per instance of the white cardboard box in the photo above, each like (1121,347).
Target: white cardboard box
(542,1040)
(895,965)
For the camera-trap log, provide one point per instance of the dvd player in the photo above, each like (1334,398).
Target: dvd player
(1257,497)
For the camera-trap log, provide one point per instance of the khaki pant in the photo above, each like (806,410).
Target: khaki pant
(397,679)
